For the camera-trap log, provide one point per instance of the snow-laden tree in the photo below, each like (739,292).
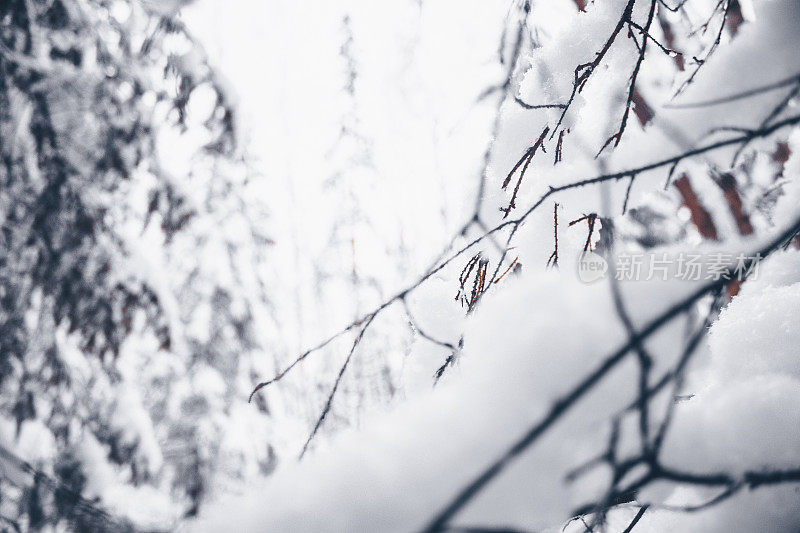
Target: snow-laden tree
(639,192)
(131,274)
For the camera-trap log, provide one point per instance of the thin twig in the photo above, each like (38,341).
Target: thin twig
(514,224)
(329,402)
(563,404)
(738,96)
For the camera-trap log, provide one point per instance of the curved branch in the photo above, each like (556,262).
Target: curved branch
(563,404)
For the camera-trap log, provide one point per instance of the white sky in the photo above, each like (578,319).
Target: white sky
(420,70)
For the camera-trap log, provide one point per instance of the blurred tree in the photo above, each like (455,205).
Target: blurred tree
(88,91)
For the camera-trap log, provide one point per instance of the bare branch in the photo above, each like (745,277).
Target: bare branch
(738,96)
(515,223)
(567,401)
(329,402)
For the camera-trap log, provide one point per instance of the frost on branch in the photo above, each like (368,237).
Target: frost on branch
(558,241)
(603,405)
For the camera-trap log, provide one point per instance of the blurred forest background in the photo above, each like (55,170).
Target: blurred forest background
(192,195)
(191,199)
